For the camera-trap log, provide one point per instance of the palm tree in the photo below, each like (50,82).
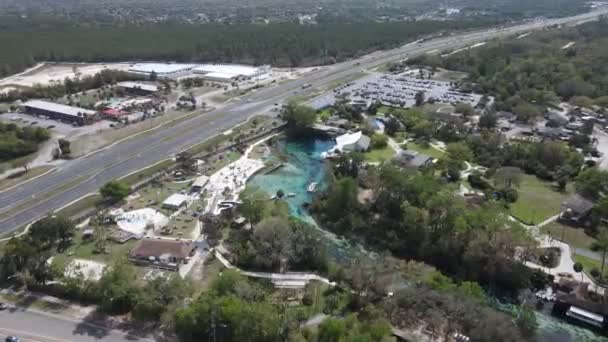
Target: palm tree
(601,245)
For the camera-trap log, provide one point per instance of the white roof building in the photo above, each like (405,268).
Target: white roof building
(352,142)
(235,70)
(175,201)
(58,108)
(219,76)
(162,69)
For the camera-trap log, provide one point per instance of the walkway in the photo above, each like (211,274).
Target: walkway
(277,278)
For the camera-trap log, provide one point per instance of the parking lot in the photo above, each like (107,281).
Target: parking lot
(58,128)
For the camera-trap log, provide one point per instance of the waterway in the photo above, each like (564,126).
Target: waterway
(303,165)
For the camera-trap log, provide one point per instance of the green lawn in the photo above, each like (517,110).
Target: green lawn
(429,150)
(588,265)
(538,200)
(85,250)
(575,237)
(379,155)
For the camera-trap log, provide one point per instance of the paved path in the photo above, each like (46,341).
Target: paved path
(76,178)
(282,277)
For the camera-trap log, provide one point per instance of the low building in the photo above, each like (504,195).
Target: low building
(413,159)
(220,77)
(576,208)
(60,112)
(162,253)
(175,202)
(114,114)
(138,88)
(233,71)
(199,183)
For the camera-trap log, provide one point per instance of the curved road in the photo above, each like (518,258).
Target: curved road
(76,178)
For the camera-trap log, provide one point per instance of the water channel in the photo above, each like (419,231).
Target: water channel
(302,165)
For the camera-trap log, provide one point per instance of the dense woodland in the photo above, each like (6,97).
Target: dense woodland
(280,45)
(530,73)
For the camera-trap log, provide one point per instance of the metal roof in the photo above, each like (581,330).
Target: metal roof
(232,69)
(58,108)
(160,68)
(138,85)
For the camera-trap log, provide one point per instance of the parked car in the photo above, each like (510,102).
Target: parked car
(12,339)
(3,306)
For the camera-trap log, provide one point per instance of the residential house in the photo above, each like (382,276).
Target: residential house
(162,253)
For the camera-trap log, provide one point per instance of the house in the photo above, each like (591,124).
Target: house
(162,253)
(175,202)
(408,158)
(576,208)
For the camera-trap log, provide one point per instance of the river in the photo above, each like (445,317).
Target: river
(303,165)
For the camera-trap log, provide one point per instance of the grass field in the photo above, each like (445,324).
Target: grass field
(379,155)
(575,237)
(538,200)
(429,150)
(589,264)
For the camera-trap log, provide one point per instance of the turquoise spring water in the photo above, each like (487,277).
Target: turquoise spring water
(303,164)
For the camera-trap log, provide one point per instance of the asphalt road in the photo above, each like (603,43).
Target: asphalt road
(76,178)
(36,327)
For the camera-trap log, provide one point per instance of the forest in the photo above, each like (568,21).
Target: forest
(286,45)
(540,70)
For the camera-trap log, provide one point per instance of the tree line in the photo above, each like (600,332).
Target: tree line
(286,44)
(527,75)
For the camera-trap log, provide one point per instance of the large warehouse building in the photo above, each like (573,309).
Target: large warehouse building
(230,72)
(59,112)
(162,70)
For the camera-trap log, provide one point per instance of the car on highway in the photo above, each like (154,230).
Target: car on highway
(12,339)
(3,306)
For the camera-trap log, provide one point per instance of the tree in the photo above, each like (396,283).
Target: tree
(115,191)
(379,141)
(118,287)
(253,202)
(159,295)
(186,161)
(391,126)
(601,244)
(488,121)
(464,109)
(459,153)
(578,268)
(47,232)
(419,98)
(591,181)
(299,118)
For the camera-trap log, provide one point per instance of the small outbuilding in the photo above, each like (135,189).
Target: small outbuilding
(162,253)
(175,202)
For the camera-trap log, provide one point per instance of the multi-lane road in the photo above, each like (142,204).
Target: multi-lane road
(32,326)
(76,178)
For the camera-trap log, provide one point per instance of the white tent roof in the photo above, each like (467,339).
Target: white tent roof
(175,200)
(220,75)
(234,70)
(57,108)
(348,139)
(160,68)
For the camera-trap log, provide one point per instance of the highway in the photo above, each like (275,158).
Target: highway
(76,178)
(32,326)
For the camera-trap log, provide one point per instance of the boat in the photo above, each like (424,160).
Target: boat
(291,194)
(312,187)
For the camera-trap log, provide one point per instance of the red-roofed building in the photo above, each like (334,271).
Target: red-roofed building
(113,113)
